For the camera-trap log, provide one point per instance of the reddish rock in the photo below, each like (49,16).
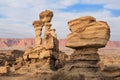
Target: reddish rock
(6,43)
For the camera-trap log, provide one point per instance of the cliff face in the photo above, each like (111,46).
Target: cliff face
(6,43)
(113,44)
(12,43)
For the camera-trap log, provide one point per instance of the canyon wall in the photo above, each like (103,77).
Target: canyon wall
(15,43)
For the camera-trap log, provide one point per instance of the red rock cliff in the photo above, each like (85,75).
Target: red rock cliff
(6,43)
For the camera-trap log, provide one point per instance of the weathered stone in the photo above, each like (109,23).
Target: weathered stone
(89,33)
(49,41)
(112,74)
(45,54)
(87,57)
(33,55)
(50,38)
(86,51)
(79,24)
(46,16)
(2,59)
(91,62)
(85,64)
(20,59)
(28,51)
(38,31)
(110,70)
(25,57)
(61,60)
(110,67)
(47,28)
(4,69)
(18,65)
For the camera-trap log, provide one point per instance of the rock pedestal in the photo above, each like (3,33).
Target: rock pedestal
(38,25)
(85,61)
(87,35)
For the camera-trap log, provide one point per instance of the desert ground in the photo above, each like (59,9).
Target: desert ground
(108,56)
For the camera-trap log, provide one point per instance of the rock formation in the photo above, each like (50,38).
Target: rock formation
(87,35)
(87,32)
(43,55)
(46,16)
(29,42)
(44,58)
(7,60)
(38,31)
(110,67)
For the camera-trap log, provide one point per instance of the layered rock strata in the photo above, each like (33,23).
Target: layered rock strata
(87,35)
(110,68)
(87,32)
(43,55)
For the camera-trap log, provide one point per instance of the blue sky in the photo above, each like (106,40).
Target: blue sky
(16,16)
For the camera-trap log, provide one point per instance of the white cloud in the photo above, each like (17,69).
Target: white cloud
(108,4)
(113,6)
(21,13)
(68,2)
(15,31)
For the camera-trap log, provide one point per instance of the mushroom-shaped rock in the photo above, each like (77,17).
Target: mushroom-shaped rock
(87,32)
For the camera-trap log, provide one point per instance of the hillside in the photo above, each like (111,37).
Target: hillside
(15,43)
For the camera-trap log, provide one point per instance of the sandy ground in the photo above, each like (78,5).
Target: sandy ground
(107,56)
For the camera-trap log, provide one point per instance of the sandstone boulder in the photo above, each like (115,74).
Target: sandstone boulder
(79,24)
(87,32)
(46,16)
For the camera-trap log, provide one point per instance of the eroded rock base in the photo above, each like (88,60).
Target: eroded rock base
(84,61)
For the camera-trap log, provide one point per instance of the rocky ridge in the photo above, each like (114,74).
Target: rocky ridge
(12,43)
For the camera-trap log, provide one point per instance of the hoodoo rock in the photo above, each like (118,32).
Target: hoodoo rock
(87,32)
(44,57)
(87,35)
(46,53)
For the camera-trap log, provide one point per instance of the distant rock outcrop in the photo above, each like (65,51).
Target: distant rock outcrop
(13,43)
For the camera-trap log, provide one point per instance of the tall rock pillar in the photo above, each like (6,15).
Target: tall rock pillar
(38,25)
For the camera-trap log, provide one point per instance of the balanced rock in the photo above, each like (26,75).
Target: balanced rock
(87,35)
(46,16)
(87,32)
